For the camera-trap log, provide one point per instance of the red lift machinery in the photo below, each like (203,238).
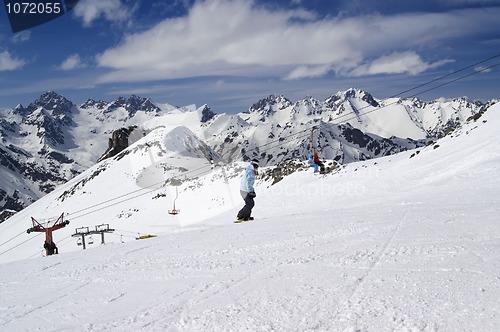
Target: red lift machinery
(49,245)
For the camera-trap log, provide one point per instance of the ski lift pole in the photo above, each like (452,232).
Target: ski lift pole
(49,245)
(80,234)
(174,211)
(312,138)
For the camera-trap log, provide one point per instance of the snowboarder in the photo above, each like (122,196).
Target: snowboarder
(247,191)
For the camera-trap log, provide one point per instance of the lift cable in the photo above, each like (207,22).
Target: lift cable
(31,238)
(13,238)
(129,198)
(445,76)
(412,96)
(162,182)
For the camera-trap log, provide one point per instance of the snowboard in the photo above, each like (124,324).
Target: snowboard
(242,221)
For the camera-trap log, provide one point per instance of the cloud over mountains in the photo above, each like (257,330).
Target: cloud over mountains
(221,37)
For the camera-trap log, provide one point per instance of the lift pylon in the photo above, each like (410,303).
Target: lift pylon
(82,232)
(49,245)
(312,138)
(175,211)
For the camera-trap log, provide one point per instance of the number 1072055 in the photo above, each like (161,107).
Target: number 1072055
(34,8)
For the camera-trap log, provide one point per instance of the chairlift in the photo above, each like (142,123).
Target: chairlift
(313,148)
(91,240)
(79,241)
(174,211)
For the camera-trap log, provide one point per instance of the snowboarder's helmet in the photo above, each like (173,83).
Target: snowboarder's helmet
(255,163)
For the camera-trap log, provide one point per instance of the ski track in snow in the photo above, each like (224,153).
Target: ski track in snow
(293,280)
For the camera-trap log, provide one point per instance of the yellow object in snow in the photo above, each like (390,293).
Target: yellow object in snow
(142,237)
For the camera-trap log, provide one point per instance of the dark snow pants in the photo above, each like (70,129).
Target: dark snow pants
(321,166)
(246,211)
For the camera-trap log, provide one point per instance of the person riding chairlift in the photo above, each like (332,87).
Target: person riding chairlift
(316,163)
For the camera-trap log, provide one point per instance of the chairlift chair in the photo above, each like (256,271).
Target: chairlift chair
(174,211)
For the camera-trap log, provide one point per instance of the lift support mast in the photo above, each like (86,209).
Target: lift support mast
(50,247)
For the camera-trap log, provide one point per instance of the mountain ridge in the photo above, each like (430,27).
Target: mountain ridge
(52,139)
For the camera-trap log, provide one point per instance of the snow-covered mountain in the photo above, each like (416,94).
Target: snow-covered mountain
(351,126)
(52,140)
(407,242)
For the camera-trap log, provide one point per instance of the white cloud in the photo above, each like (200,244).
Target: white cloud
(308,72)
(396,63)
(8,62)
(247,36)
(482,69)
(21,37)
(236,37)
(72,62)
(111,10)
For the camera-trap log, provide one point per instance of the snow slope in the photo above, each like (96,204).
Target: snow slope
(408,242)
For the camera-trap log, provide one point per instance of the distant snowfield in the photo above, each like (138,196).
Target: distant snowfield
(399,243)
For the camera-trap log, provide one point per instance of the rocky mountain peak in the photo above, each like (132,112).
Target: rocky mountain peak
(53,102)
(134,104)
(271,102)
(118,142)
(91,103)
(360,94)
(206,114)
(270,105)
(20,110)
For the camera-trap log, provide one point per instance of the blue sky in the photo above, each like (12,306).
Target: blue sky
(231,53)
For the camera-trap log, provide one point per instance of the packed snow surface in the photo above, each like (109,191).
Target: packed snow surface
(409,242)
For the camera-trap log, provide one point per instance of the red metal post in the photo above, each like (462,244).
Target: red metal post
(49,243)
